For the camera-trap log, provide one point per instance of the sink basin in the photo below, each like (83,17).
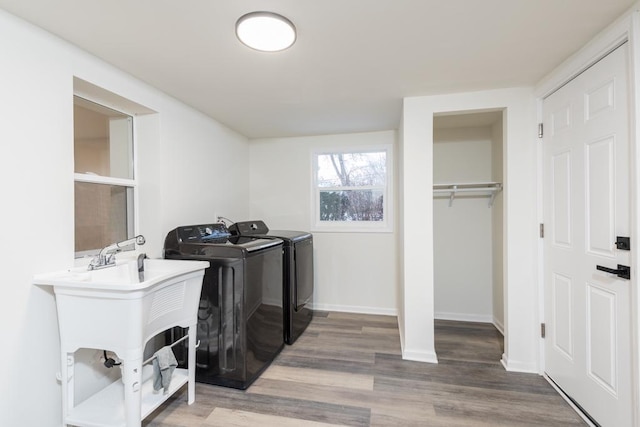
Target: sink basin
(122,276)
(110,308)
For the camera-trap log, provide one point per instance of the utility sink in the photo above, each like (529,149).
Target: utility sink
(111,309)
(121,276)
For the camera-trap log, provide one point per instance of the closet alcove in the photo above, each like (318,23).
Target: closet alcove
(468,224)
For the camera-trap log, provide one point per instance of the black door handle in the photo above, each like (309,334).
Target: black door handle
(623,271)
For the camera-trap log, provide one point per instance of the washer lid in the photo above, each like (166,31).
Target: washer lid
(289,234)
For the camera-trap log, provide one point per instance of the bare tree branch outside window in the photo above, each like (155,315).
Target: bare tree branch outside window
(352,186)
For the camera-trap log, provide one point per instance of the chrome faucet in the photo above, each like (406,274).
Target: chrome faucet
(107,255)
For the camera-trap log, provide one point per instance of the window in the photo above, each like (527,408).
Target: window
(352,190)
(104,176)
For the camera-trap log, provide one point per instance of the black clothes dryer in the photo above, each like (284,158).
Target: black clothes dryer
(240,316)
(297,275)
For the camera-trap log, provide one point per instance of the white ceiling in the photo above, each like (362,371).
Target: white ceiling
(353,62)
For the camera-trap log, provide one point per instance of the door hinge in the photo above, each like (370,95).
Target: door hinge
(540,130)
(542,231)
(543,330)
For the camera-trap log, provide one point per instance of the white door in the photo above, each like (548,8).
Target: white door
(586,206)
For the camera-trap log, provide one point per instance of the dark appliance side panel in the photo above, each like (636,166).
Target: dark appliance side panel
(288,275)
(263,308)
(301,289)
(303,257)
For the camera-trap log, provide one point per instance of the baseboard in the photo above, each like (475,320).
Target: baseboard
(499,326)
(464,317)
(356,309)
(419,356)
(516,366)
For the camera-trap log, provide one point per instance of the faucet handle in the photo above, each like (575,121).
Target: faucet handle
(140,240)
(110,258)
(141,259)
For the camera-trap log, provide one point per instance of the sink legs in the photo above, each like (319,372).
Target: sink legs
(66,379)
(132,380)
(191,385)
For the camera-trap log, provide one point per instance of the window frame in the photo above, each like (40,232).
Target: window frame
(384,226)
(131,184)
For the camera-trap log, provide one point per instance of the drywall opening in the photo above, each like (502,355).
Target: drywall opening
(468,218)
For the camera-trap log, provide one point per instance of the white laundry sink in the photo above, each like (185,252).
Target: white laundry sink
(112,309)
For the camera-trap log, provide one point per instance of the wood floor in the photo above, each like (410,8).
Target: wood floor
(346,370)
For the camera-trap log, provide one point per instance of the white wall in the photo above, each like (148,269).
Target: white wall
(353,271)
(36,167)
(400,230)
(497,220)
(520,273)
(416,263)
(463,232)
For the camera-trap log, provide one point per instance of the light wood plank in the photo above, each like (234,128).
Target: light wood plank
(390,333)
(348,397)
(318,377)
(345,355)
(221,417)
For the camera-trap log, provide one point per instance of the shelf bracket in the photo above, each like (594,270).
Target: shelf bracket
(452,195)
(493,197)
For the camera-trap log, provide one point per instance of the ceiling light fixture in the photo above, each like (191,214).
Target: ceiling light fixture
(265,31)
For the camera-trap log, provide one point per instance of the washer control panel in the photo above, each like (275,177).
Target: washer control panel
(205,233)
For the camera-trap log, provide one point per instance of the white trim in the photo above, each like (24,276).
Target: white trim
(107,180)
(136,178)
(499,325)
(540,248)
(518,366)
(464,317)
(385,226)
(634,155)
(625,28)
(420,356)
(400,333)
(356,309)
(89,92)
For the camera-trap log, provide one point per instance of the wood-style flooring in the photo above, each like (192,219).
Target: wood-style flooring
(346,370)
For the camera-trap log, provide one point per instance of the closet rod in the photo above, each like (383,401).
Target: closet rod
(472,186)
(467,190)
(491,188)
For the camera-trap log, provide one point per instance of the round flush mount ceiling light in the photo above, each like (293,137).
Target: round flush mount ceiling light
(265,31)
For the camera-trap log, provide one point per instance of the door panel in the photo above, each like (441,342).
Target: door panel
(600,212)
(599,100)
(562,198)
(586,205)
(601,345)
(563,331)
